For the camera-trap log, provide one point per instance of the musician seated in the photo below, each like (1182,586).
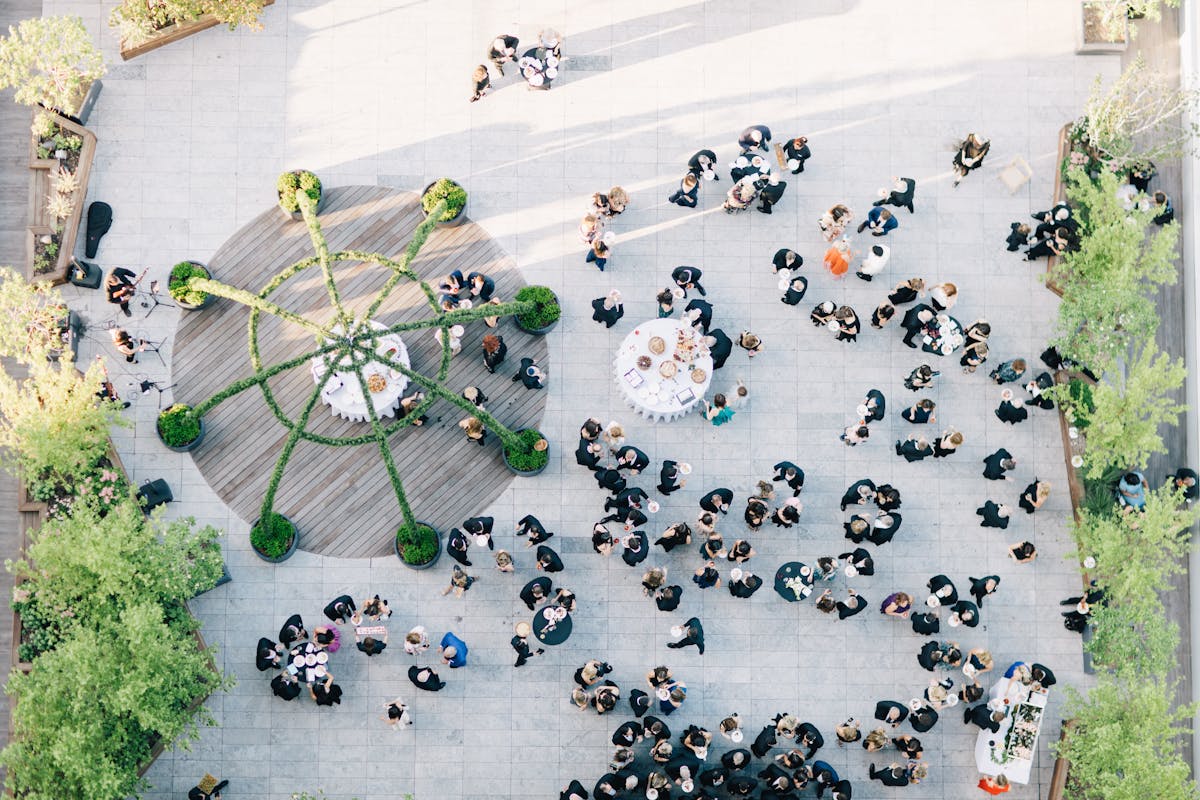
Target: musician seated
(107,391)
(119,288)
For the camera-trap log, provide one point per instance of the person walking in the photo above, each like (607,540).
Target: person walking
(901,194)
(970,155)
(693,634)
(687,195)
(686,277)
(608,309)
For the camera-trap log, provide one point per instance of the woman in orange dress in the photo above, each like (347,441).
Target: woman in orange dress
(838,257)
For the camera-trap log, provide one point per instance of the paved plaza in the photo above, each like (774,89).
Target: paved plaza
(374,92)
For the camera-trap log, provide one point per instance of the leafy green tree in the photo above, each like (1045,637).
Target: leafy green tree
(1129,409)
(1132,642)
(1123,743)
(53,428)
(1108,284)
(50,61)
(29,317)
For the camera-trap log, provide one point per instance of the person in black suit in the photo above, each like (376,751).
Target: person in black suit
(425,678)
(687,195)
(891,712)
(1008,411)
(704,165)
(786,258)
(588,454)
(292,631)
(693,633)
(860,561)
(1042,675)
(370,645)
(997,464)
(637,547)
(885,527)
(914,322)
(532,527)
(893,775)
(717,500)
(480,526)
(764,741)
(608,309)
(481,286)
(668,477)
(743,584)
(860,493)
(965,612)
(790,474)
(530,374)
(797,152)
(755,136)
(610,480)
(494,351)
(631,458)
(285,686)
(923,719)
(548,560)
(808,736)
(502,50)
(688,278)
(770,192)
(943,589)
(796,289)
(853,604)
(196,793)
(536,591)
(1186,480)
(738,759)
(457,545)
(667,598)
(982,587)
(702,315)
(876,405)
(914,448)
(119,288)
(994,515)
(901,194)
(931,655)
(983,717)
(267,656)
(629,498)
(926,624)
(719,345)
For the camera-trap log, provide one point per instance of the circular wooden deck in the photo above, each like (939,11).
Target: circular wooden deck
(340,497)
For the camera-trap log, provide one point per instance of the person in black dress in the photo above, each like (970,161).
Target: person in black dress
(797,152)
(994,515)
(608,309)
(480,82)
(327,693)
(494,351)
(292,631)
(970,155)
(119,288)
(719,345)
(997,464)
(267,655)
(502,50)
(901,194)
(907,291)
(887,497)
(687,195)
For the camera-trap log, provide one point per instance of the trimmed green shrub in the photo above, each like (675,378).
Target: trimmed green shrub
(177,426)
(417,543)
(524,455)
(445,189)
(547,309)
(181,273)
(1082,406)
(272,535)
(289,182)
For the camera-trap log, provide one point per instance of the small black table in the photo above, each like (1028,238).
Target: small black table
(792,569)
(542,56)
(549,631)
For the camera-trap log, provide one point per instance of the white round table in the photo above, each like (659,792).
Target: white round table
(343,393)
(648,391)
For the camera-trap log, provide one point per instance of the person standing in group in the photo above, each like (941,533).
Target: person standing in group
(755,136)
(797,152)
(609,309)
(687,195)
(838,257)
(970,156)
(900,196)
(600,250)
(503,50)
(874,262)
(481,82)
(704,165)
(879,222)
(686,277)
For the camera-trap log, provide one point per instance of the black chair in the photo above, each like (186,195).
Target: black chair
(154,494)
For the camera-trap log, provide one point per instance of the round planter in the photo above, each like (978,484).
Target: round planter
(436,555)
(291,548)
(537,331)
(525,473)
(453,223)
(190,446)
(209,299)
(297,214)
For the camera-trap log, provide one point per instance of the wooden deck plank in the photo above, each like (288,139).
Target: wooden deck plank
(341,497)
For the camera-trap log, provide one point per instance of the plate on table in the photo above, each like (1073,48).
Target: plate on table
(322,657)
(657,345)
(310,660)
(668,369)
(699,375)
(320,671)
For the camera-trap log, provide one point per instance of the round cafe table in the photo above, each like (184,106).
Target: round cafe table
(539,67)
(549,631)
(942,339)
(753,164)
(341,390)
(308,662)
(787,575)
(657,392)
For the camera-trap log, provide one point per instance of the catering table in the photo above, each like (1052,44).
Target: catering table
(943,335)
(1010,750)
(752,164)
(655,391)
(307,661)
(539,67)
(790,582)
(552,625)
(341,390)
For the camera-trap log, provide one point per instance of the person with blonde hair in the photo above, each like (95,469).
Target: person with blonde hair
(618,199)
(688,193)
(481,81)
(1035,495)
(609,309)
(474,429)
(907,291)
(834,221)
(600,250)
(590,227)
(947,444)
(943,296)
(970,155)
(838,257)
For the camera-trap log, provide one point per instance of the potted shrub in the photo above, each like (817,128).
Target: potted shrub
(286,188)
(418,545)
(274,537)
(455,197)
(528,453)
(1104,27)
(188,298)
(179,429)
(542,318)
(52,62)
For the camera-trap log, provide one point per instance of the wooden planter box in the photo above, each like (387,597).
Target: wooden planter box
(39,188)
(1058,778)
(1060,195)
(173,33)
(1071,448)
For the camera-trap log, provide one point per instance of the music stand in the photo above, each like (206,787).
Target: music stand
(154,347)
(150,300)
(146,386)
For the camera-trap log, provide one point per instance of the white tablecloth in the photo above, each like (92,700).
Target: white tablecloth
(994,755)
(647,391)
(342,391)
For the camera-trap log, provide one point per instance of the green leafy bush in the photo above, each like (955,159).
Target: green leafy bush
(546,310)
(1079,393)
(177,285)
(524,453)
(445,189)
(177,426)
(289,182)
(272,535)
(137,21)
(417,544)
(50,61)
